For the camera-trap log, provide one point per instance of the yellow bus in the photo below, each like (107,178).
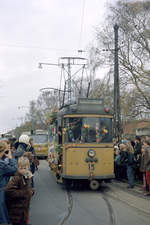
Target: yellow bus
(83,147)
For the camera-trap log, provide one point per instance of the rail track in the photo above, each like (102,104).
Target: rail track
(70,206)
(104,196)
(112,220)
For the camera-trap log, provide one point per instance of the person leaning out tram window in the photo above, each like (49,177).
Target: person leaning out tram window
(8,167)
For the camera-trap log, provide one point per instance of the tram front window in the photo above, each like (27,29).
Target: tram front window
(88,130)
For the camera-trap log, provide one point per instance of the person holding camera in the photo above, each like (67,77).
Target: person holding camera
(8,167)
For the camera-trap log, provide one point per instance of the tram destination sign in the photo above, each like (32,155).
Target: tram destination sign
(90,101)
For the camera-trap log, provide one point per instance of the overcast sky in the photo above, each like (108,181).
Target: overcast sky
(33,31)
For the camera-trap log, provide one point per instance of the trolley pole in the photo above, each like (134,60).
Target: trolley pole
(117,117)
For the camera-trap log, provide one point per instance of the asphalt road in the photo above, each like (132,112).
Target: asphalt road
(54,205)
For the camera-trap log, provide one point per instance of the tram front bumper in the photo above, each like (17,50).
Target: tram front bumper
(101,177)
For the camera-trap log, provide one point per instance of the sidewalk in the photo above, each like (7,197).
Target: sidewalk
(138,188)
(133,197)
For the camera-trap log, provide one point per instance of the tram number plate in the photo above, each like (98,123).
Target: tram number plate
(91,167)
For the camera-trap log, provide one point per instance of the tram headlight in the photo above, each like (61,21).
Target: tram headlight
(91,153)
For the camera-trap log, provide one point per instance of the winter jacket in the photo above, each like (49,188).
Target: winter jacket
(31,149)
(123,158)
(137,148)
(131,161)
(117,159)
(7,169)
(18,194)
(22,147)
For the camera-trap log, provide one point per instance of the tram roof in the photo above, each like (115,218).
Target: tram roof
(86,106)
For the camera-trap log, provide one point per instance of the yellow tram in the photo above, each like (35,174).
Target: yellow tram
(82,148)
(40,140)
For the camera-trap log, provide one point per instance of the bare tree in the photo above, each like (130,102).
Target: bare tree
(133,19)
(40,110)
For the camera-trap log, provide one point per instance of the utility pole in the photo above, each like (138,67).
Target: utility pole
(117,117)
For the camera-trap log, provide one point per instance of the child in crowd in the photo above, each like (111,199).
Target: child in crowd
(30,156)
(18,193)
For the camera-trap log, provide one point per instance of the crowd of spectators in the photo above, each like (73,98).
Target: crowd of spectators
(17,166)
(132,162)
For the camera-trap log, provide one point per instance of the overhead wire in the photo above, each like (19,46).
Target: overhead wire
(35,47)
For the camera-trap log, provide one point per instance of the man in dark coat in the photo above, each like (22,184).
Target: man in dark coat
(18,193)
(137,146)
(123,161)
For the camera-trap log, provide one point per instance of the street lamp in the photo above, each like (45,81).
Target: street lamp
(49,64)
